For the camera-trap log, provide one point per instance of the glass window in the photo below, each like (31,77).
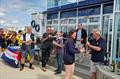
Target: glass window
(89,11)
(72,21)
(66,29)
(55,22)
(94,19)
(117,30)
(63,2)
(55,27)
(49,22)
(105,26)
(52,3)
(108,8)
(52,16)
(63,28)
(64,21)
(82,20)
(90,28)
(117,5)
(43,23)
(67,14)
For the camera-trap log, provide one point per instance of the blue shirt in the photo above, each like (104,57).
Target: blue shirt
(79,35)
(98,56)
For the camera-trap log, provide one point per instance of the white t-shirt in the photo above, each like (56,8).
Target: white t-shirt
(27,37)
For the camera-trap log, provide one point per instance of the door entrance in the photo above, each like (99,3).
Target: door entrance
(109,36)
(107,30)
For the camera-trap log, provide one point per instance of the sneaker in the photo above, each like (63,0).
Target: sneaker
(44,69)
(21,68)
(56,73)
(32,68)
(56,70)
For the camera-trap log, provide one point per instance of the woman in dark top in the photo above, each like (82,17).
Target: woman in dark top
(69,55)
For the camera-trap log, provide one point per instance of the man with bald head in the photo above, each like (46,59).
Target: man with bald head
(27,47)
(47,44)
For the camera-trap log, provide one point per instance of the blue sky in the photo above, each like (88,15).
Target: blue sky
(18,12)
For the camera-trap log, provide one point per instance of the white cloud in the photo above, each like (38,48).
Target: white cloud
(2,9)
(7,24)
(27,7)
(2,21)
(23,6)
(2,14)
(15,21)
(33,10)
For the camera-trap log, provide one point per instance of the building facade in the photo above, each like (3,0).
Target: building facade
(37,23)
(103,14)
(115,48)
(56,3)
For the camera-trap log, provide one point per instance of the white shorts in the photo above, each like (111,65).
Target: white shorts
(78,43)
(93,67)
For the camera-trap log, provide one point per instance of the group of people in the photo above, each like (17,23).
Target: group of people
(97,47)
(8,38)
(75,43)
(25,40)
(65,47)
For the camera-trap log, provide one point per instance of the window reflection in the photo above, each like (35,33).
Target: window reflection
(91,27)
(64,21)
(94,19)
(107,31)
(72,21)
(105,26)
(55,27)
(55,22)
(83,20)
(49,22)
(66,29)
(63,29)
(117,5)
(117,26)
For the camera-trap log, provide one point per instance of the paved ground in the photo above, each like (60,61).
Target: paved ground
(7,72)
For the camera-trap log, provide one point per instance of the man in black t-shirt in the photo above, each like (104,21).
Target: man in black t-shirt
(47,43)
(98,49)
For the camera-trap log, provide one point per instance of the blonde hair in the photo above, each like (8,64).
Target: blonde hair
(97,31)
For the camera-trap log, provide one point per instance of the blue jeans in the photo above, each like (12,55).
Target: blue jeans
(59,57)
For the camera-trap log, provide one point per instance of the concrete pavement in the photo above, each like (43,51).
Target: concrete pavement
(7,72)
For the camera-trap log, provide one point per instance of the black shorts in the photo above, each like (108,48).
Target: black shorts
(68,61)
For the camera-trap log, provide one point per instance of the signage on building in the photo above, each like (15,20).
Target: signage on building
(35,26)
